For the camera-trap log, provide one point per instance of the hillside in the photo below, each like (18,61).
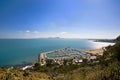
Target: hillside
(108,67)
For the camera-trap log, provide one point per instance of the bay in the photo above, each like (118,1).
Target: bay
(20,51)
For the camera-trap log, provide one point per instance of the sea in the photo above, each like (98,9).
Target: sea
(25,51)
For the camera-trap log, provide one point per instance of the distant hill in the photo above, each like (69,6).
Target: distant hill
(117,39)
(103,40)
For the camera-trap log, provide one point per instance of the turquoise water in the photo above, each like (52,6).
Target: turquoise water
(18,51)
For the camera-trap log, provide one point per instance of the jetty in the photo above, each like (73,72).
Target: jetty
(42,58)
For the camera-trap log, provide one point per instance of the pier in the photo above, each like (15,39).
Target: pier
(42,58)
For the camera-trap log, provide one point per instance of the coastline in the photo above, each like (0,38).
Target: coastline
(92,46)
(94,51)
(98,45)
(91,51)
(99,48)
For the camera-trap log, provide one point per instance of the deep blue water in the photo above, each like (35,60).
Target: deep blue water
(18,51)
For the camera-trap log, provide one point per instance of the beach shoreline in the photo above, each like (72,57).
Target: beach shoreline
(94,51)
(99,45)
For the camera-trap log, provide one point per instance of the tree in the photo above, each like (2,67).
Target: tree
(36,66)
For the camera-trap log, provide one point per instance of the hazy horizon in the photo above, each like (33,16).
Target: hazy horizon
(85,19)
(55,38)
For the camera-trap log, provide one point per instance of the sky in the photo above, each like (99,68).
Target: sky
(59,18)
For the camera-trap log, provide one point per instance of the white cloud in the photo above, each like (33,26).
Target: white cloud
(62,33)
(27,31)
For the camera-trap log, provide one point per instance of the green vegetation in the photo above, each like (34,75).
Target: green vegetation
(26,73)
(52,67)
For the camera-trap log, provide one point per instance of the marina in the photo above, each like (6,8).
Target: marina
(58,56)
(64,53)
(76,56)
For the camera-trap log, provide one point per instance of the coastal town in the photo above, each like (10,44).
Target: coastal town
(67,56)
(73,56)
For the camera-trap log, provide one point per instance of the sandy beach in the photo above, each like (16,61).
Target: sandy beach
(98,45)
(95,51)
